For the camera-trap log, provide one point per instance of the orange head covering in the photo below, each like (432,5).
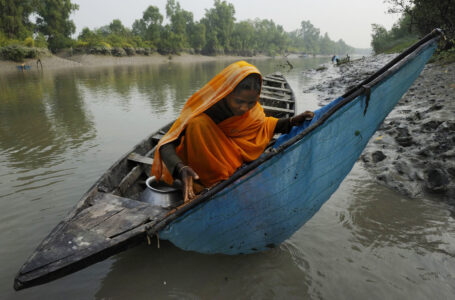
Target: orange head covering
(216,89)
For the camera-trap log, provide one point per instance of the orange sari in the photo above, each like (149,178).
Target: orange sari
(215,151)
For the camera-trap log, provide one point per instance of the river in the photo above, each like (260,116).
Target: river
(59,131)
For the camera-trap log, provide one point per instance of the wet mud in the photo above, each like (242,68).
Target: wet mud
(413,151)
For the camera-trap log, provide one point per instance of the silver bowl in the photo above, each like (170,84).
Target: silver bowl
(160,194)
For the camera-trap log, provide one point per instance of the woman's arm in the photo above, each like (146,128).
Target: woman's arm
(285,125)
(178,169)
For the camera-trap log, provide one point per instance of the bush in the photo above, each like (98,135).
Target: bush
(17,53)
(399,45)
(81,44)
(105,45)
(29,42)
(117,51)
(3,39)
(40,41)
(79,50)
(446,56)
(100,50)
(129,51)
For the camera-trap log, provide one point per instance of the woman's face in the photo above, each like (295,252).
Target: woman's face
(242,101)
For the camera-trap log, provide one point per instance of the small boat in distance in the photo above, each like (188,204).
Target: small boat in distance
(262,204)
(24,67)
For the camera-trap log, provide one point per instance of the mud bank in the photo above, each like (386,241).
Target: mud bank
(53,62)
(413,151)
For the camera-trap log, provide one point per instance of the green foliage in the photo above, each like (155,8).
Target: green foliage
(400,45)
(419,17)
(269,37)
(197,36)
(219,24)
(116,27)
(81,44)
(396,39)
(447,56)
(308,39)
(216,33)
(5,41)
(149,27)
(428,14)
(29,42)
(14,18)
(17,53)
(174,37)
(88,38)
(117,51)
(53,21)
(310,36)
(243,38)
(40,41)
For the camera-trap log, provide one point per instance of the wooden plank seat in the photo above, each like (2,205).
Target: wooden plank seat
(265,97)
(273,80)
(278,109)
(276,89)
(140,158)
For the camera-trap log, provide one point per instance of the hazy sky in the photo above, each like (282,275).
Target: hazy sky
(349,20)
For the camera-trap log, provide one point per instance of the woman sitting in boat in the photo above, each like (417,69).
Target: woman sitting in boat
(221,126)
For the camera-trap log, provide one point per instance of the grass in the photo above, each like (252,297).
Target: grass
(401,45)
(444,58)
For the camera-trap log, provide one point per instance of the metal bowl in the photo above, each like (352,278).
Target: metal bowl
(160,194)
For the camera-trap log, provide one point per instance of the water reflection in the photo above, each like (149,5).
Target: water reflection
(169,272)
(40,118)
(396,221)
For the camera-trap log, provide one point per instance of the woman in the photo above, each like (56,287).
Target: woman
(220,127)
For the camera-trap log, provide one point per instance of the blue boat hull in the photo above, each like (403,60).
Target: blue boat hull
(267,205)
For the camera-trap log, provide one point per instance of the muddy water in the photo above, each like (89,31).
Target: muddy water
(60,131)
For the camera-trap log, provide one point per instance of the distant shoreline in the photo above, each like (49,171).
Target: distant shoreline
(53,62)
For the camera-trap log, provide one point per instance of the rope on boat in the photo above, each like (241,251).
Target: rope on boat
(149,236)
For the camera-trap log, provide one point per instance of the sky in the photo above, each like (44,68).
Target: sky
(349,20)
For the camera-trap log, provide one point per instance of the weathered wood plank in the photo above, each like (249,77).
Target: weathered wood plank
(156,137)
(140,159)
(273,80)
(94,231)
(113,215)
(265,87)
(128,180)
(68,241)
(275,99)
(270,108)
(127,220)
(276,77)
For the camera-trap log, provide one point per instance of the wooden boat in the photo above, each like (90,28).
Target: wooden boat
(260,206)
(109,218)
(343,61)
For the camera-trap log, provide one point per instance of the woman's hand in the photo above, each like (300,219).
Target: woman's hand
(299,119)
(187,176)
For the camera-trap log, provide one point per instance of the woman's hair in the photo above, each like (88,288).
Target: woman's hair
(251,82)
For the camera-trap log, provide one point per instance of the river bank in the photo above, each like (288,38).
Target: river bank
(53,62)
(413,151)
